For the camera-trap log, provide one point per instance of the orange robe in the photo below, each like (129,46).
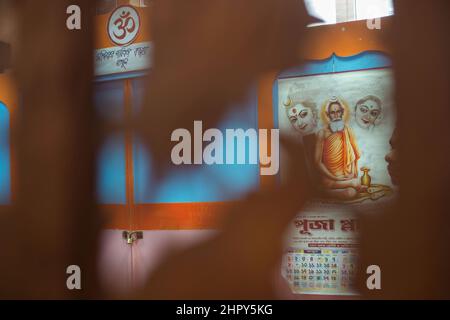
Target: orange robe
(341,153)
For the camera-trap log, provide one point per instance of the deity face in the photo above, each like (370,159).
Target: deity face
(302,119)
(335,112)
(367,114)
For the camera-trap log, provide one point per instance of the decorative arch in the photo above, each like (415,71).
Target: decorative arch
(366,60)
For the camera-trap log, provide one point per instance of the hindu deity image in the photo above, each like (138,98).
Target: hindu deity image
(368,112)
(344,123)
(302,114)
(332,147)
(337,152)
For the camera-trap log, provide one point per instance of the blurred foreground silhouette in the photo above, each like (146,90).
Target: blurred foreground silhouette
(213,50)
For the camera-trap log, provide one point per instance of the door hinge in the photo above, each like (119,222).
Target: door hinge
(132,236)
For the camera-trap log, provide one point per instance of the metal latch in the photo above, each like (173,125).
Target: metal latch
(132,236)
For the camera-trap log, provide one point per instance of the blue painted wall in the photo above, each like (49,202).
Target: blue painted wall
(185,184)
(5,160)
(111,180)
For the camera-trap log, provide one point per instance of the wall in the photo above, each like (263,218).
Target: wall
(8,98)
(121,264)
(193,220)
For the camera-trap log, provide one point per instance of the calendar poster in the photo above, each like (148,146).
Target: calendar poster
(321,254)
(345,122)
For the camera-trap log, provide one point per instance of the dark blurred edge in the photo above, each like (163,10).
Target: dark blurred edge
(5,56)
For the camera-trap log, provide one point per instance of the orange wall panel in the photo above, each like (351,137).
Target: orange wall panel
(8,94)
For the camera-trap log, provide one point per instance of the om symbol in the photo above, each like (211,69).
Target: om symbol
(123,26)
